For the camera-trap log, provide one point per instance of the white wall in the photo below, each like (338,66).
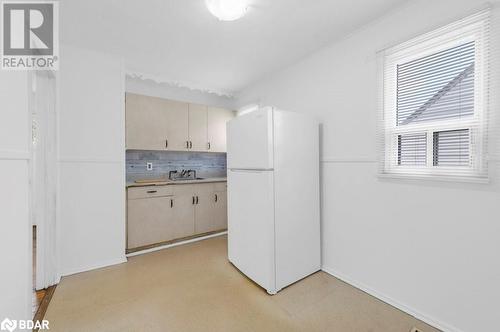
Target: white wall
(15,224)
(149,87)
(430,248)
(91,160)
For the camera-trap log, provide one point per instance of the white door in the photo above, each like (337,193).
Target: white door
(251,225)
(250,141)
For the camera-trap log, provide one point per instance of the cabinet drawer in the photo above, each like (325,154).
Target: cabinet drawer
(150,191)
(220,186)
(186,189)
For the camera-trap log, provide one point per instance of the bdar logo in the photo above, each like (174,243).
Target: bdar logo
(8,325)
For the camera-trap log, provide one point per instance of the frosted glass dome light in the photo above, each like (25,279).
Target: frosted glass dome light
(227,10)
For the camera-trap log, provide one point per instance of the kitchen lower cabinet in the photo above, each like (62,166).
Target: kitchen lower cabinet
(204,209)
(160,214)
(183,213)
(220,211)
(149,221)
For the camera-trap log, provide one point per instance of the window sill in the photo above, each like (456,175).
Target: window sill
(439,178)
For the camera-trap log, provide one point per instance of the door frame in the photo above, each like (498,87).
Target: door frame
(43,99)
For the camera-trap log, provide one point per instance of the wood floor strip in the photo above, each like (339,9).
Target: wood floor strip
(42,309)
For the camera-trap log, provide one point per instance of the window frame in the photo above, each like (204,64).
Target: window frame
(440,40)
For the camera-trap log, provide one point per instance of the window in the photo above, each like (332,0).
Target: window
(434,103)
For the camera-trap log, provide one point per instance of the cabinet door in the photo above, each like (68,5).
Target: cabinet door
(176,117)
(198,127)
(148,221)
(220,214)
(146,123)
(217,119)
(183,211)
(204,209)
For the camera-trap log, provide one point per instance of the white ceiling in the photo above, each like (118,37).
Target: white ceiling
(181,41)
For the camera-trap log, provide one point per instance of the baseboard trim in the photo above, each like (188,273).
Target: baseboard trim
(423,317)
(349,160)
(180,243)
(87,160)
(100,265)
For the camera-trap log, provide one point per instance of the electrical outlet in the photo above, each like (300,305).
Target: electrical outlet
(149,166)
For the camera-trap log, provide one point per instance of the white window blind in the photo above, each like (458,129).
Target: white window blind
(451,148)
(412,149)
(434,103)
(437,86)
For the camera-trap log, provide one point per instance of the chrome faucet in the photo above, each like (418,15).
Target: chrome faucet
(170,173)
(191,171)
(183,174)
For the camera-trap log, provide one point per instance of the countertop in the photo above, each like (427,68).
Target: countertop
(170,182)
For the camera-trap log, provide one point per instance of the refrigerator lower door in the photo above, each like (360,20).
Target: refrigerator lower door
(251,225)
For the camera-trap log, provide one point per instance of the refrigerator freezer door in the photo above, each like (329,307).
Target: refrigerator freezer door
(251,225)
(250,140)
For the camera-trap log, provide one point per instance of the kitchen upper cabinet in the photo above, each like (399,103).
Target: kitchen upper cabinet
(160,124)
(141,131)
(198,128)
(177,124)
(155,123)
(216,128)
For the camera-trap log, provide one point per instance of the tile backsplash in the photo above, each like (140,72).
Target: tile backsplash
(205,164)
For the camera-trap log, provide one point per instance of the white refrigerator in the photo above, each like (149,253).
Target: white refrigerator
(273,196)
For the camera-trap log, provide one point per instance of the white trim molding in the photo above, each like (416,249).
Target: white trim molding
(85,160)
(349,160)
(410,311)
(14,155)
(176,84)
(197,239)
(103,264)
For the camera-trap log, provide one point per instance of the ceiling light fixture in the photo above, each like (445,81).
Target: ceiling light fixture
(227,10)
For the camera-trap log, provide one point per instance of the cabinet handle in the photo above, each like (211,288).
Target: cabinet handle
(187,144)
(166,144)
(216,197)
(152,191)
(193,200)
(208,145)
(190,144)
(196,199)
(171,203)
